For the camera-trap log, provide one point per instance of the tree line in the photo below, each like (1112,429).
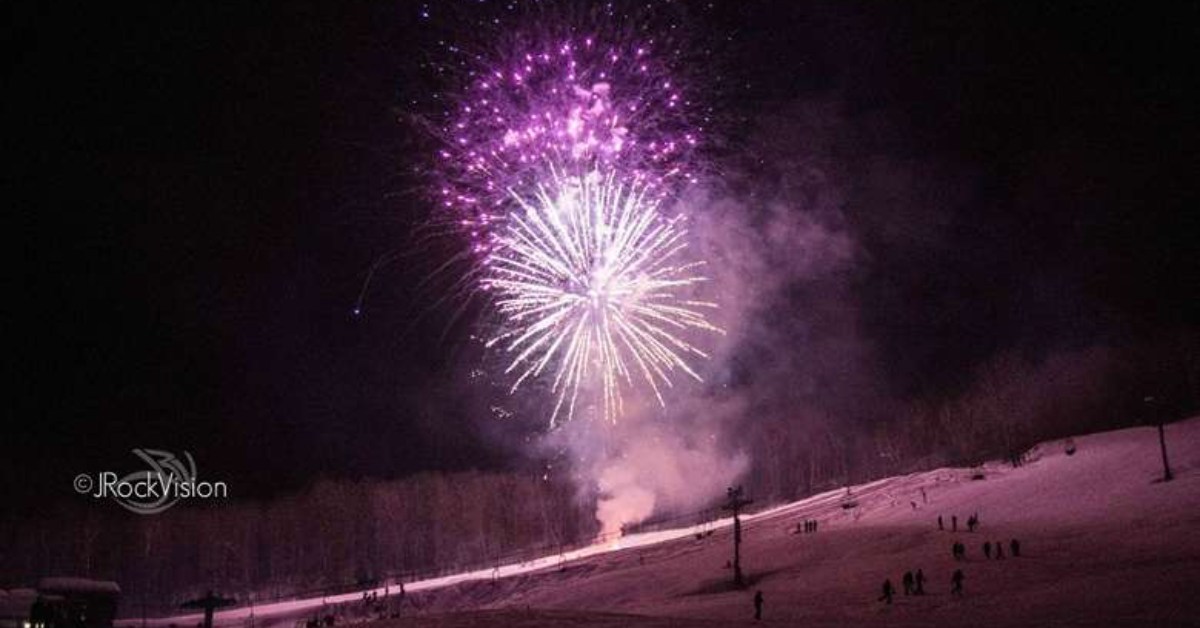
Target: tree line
(337,534)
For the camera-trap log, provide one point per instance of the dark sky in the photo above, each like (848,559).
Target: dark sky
(195,193)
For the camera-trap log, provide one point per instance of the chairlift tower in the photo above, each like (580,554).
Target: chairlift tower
(736,501)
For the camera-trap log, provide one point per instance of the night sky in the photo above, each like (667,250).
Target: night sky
(194,195)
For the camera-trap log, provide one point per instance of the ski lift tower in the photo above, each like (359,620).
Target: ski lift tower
(736,502)
(209,603)
(1158,415)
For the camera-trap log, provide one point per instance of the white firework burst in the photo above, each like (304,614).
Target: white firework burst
(593,285)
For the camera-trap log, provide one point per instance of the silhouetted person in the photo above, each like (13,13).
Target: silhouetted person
(920,580)
(999,549)
(940,525)
(924,497)
(758,602)
(887,591)
(907,582)
(1015,548)
(954,523)
(987,549)
(956,582)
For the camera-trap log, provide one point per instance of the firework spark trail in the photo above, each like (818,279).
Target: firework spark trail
(558,153)
(590,276)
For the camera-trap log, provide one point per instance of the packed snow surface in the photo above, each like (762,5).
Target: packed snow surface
(1103,542)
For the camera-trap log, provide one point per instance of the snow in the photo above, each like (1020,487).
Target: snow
(1103,543)
(15,605)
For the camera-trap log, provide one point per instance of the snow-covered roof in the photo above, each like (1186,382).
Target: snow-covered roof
(15,603)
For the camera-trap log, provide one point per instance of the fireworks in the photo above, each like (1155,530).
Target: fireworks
(588,276)
(559,152)
(573,102)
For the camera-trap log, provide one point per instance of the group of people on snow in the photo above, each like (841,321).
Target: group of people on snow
(808,525)
(913,582)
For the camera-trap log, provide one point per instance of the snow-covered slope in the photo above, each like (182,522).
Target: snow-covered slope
(1103,543)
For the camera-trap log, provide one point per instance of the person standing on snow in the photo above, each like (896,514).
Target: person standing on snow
(887,591)
(956,582)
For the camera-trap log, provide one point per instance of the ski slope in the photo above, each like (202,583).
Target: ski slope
(1105,544)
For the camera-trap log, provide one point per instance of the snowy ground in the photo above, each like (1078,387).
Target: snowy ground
(1103,543)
